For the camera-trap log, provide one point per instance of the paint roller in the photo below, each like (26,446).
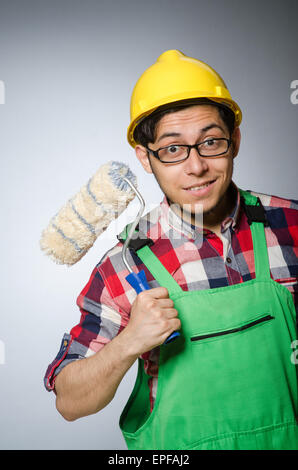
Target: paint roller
(74,229)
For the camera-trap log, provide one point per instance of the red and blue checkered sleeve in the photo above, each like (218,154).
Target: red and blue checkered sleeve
(101,320)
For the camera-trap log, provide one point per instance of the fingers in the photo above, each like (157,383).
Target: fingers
(170,313)
(158,302)
(153,319)
(159,293)
(165,303)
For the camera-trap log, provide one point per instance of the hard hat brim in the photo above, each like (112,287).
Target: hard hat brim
(228,102)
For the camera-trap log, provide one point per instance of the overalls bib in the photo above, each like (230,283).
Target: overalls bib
(228,381)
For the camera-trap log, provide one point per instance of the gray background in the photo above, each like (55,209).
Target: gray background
(69,68)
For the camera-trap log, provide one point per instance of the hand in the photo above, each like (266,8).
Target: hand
(152,320)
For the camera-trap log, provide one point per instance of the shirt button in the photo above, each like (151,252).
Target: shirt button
(228,260)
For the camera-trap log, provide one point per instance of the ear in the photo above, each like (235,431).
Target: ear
(236,138)
(142,156)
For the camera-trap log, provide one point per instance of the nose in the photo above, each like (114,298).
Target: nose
(195,163)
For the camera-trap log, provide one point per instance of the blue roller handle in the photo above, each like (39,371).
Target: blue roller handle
(139,283)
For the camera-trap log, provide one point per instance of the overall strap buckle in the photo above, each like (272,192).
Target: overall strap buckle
(138,241)
(255,213)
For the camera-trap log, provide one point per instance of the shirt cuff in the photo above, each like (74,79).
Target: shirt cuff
(50,376)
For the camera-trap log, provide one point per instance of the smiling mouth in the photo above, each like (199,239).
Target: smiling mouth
(200,187)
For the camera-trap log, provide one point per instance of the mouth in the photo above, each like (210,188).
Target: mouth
(200,190)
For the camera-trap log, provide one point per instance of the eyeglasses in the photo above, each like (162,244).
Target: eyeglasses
(209,148)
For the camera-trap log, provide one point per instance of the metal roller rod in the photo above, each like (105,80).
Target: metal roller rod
(133,226)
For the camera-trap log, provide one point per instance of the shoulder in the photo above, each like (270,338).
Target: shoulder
(282,216)
(147,227)
(271,202)
(111,262)
(112,268)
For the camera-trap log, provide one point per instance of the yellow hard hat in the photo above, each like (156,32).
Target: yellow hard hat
(176,77)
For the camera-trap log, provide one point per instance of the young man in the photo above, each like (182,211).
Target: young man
(228,286)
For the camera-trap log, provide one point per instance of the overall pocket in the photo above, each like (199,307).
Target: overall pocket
(242,327)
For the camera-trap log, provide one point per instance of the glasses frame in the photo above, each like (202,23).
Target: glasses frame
(189,147)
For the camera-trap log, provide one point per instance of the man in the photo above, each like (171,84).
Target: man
(228,287)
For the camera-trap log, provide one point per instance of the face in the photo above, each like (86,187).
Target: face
(198,182)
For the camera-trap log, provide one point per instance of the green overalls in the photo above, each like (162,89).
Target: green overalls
(228,381)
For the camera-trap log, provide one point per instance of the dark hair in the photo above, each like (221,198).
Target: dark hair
(145,131)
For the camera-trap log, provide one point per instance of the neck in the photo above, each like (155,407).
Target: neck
(213,219)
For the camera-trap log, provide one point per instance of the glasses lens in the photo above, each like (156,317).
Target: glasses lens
(173,153)
(213,147)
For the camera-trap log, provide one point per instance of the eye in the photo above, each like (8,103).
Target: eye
(173,149)
(209,142)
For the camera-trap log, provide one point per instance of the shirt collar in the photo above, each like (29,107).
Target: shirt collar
(190,231)
(232,219)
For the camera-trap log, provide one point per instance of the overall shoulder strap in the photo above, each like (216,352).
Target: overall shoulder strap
(256,217)
(140,244)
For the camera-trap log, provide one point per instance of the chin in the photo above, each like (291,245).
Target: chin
(204,207)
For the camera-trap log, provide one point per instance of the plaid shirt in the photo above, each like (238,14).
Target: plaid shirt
(196,258)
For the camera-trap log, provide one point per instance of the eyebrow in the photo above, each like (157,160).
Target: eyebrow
(169,134)
(211,126)
(177,134)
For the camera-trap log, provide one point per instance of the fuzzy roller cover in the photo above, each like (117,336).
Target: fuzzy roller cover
(74,229)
